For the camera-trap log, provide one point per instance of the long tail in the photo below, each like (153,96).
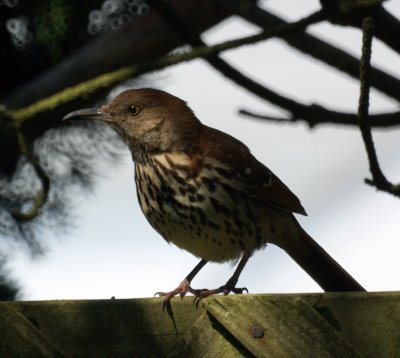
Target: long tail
(319,265)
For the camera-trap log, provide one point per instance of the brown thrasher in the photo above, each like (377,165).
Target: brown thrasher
(203,190)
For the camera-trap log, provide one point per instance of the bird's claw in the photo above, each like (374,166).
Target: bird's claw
(199,294)
(238,290)
(225,290)
(181,290)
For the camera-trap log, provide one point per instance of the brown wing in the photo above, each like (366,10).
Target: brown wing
(249,175)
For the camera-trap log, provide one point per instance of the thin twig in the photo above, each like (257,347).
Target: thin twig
(378,178)
(315,115)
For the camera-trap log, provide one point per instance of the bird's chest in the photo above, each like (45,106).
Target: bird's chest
(195,212)
(171,199)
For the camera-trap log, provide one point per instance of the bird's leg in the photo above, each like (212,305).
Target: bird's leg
(230,286)
(184,286)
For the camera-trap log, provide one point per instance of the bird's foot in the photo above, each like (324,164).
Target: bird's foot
(184,288)
(225,289)
(181,290)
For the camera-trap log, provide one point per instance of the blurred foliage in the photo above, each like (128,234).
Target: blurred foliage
(52,26)
(34,36)
(72,156)
(9,289)
(42,33)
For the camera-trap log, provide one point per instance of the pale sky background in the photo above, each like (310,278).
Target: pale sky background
(113,251)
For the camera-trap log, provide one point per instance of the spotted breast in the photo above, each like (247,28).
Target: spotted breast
(194,206)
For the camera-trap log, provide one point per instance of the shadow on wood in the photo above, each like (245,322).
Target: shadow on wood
(290,325)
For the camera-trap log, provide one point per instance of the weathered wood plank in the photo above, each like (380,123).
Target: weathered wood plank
(92,328)
(19,337)
(370,321)
(290,325)
(283,326)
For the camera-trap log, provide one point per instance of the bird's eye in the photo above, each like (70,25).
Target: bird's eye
(134,110)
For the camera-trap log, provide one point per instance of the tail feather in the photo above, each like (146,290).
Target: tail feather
(320,265)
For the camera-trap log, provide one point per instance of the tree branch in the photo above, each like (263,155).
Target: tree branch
(353,13)
(230,72)
(321,50)
(109,79)
(315,115)
(378,178)
(140,41)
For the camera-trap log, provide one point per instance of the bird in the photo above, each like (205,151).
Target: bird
(202,190)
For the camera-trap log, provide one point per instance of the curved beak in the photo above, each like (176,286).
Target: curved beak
(88,113)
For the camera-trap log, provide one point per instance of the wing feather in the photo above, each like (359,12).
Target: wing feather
(249,175)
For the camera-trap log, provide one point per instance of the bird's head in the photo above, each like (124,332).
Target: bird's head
(147,119)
